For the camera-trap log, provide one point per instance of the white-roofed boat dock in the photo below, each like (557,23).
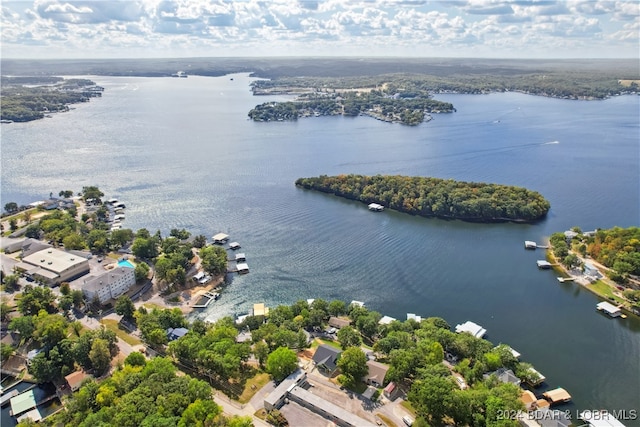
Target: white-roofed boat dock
(610,309)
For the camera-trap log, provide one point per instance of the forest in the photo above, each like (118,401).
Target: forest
(434,197)
(31,98)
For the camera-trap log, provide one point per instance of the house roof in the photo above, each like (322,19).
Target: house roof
(175,333)
(507,376)
(327,356)
(377,371)
(337,322)
(74,379)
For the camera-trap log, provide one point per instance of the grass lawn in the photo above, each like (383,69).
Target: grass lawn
(151,306)
(123,335)
(605,291)
(334,344)
(408,407)
(249,390)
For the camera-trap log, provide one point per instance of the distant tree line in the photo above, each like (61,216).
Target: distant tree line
(436,197)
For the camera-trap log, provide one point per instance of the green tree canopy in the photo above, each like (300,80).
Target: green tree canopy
(281,362)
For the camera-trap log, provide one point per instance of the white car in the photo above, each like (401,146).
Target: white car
(407,420)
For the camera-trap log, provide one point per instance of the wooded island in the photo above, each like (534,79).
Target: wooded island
(434,197)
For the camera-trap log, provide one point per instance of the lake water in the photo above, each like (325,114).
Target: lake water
(181,154)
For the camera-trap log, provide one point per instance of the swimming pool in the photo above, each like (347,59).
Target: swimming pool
(125,263)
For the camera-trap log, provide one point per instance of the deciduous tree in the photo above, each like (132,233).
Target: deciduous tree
(281,362)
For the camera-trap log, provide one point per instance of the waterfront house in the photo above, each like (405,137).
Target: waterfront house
(75,379)
(376,373)
(326,359)
(505,376)
(591,271)
(337,322)
(175,333)
(358,303)
(471,328)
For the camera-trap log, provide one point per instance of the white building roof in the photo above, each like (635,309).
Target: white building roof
(220,237)
(358,303)
(600,419)
(471,328)
(54,260)
(414,317)
(608,307)
(386,320)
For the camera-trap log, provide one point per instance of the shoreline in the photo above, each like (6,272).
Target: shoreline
(579,280)
(185,304)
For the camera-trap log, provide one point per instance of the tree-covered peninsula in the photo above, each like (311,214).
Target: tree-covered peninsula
(434,197)
(31,98)
(408,104)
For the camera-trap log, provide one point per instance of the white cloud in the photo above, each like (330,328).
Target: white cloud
(332,27)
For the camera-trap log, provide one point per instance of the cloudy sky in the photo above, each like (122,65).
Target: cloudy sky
(414,28)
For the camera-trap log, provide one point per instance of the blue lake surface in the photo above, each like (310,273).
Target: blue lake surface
(181,153)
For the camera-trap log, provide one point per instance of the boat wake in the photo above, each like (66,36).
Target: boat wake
(551,142)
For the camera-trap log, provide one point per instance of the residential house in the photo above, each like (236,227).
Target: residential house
(337,322)
(326,359)
(75,379)
(377,372)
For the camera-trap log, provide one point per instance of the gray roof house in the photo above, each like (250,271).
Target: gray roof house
(326,358)
(505,376)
